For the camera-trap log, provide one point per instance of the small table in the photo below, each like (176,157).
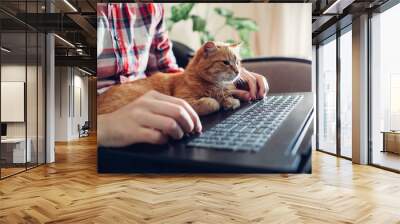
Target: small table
(391,141)
(15,148)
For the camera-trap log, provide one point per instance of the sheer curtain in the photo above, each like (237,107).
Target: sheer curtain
(286,30)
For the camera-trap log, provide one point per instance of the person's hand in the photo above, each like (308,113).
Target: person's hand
(152,118)
(256,83)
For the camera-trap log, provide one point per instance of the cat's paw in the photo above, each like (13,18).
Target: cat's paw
(230,103)
(230,87)
(211,103)
(206,105)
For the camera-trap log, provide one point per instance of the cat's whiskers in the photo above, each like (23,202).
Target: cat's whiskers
(236,78)
(226,83)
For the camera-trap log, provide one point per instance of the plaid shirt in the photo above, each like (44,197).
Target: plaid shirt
(132,43)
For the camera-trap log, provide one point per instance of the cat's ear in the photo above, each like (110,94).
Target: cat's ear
(236,47)
(209,47)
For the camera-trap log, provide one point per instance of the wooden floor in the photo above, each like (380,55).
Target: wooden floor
(386,159)
(71,191)
(10,171)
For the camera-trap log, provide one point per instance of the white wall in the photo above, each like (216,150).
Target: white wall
(61,103)
(314,90)
(71,93)
(284,28)
(16,72)
(33,127)
(80,100)
(13,100)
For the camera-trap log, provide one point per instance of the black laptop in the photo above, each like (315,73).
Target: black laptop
(272,135)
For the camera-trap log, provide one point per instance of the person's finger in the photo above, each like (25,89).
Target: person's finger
(174,111)
(262,84)
(165,124)
(193,115)
(266,87)
(241,94)
(152,136)
(252,83)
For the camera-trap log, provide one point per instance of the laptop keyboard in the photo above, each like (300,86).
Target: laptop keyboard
(249,129)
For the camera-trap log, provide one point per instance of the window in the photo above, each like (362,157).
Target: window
(346,94)
(385,85)
(333,137)
(327,97)
(22,74)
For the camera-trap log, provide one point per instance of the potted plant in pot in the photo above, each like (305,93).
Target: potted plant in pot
(243,26)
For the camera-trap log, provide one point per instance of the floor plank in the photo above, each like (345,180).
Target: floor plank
(71,191)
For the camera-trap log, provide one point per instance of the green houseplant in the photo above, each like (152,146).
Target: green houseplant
(243,26)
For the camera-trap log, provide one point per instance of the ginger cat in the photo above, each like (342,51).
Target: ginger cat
(204,84)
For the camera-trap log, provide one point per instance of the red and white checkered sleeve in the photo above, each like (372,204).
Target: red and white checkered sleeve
(161,57)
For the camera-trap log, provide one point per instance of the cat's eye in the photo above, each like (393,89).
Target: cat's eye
(225,62)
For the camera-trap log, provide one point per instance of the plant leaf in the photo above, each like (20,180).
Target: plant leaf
(223,12)
(174,14)
(199,24)
(245,52)
(244,36)
(209,36)
(181,11)
(205,36)
(242,23)
(248,24)
(230,41)
(169,24)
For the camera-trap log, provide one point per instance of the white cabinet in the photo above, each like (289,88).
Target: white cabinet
(16,147)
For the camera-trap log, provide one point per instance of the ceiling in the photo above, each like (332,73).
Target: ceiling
(72,20)
(75,21)
(331,15)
